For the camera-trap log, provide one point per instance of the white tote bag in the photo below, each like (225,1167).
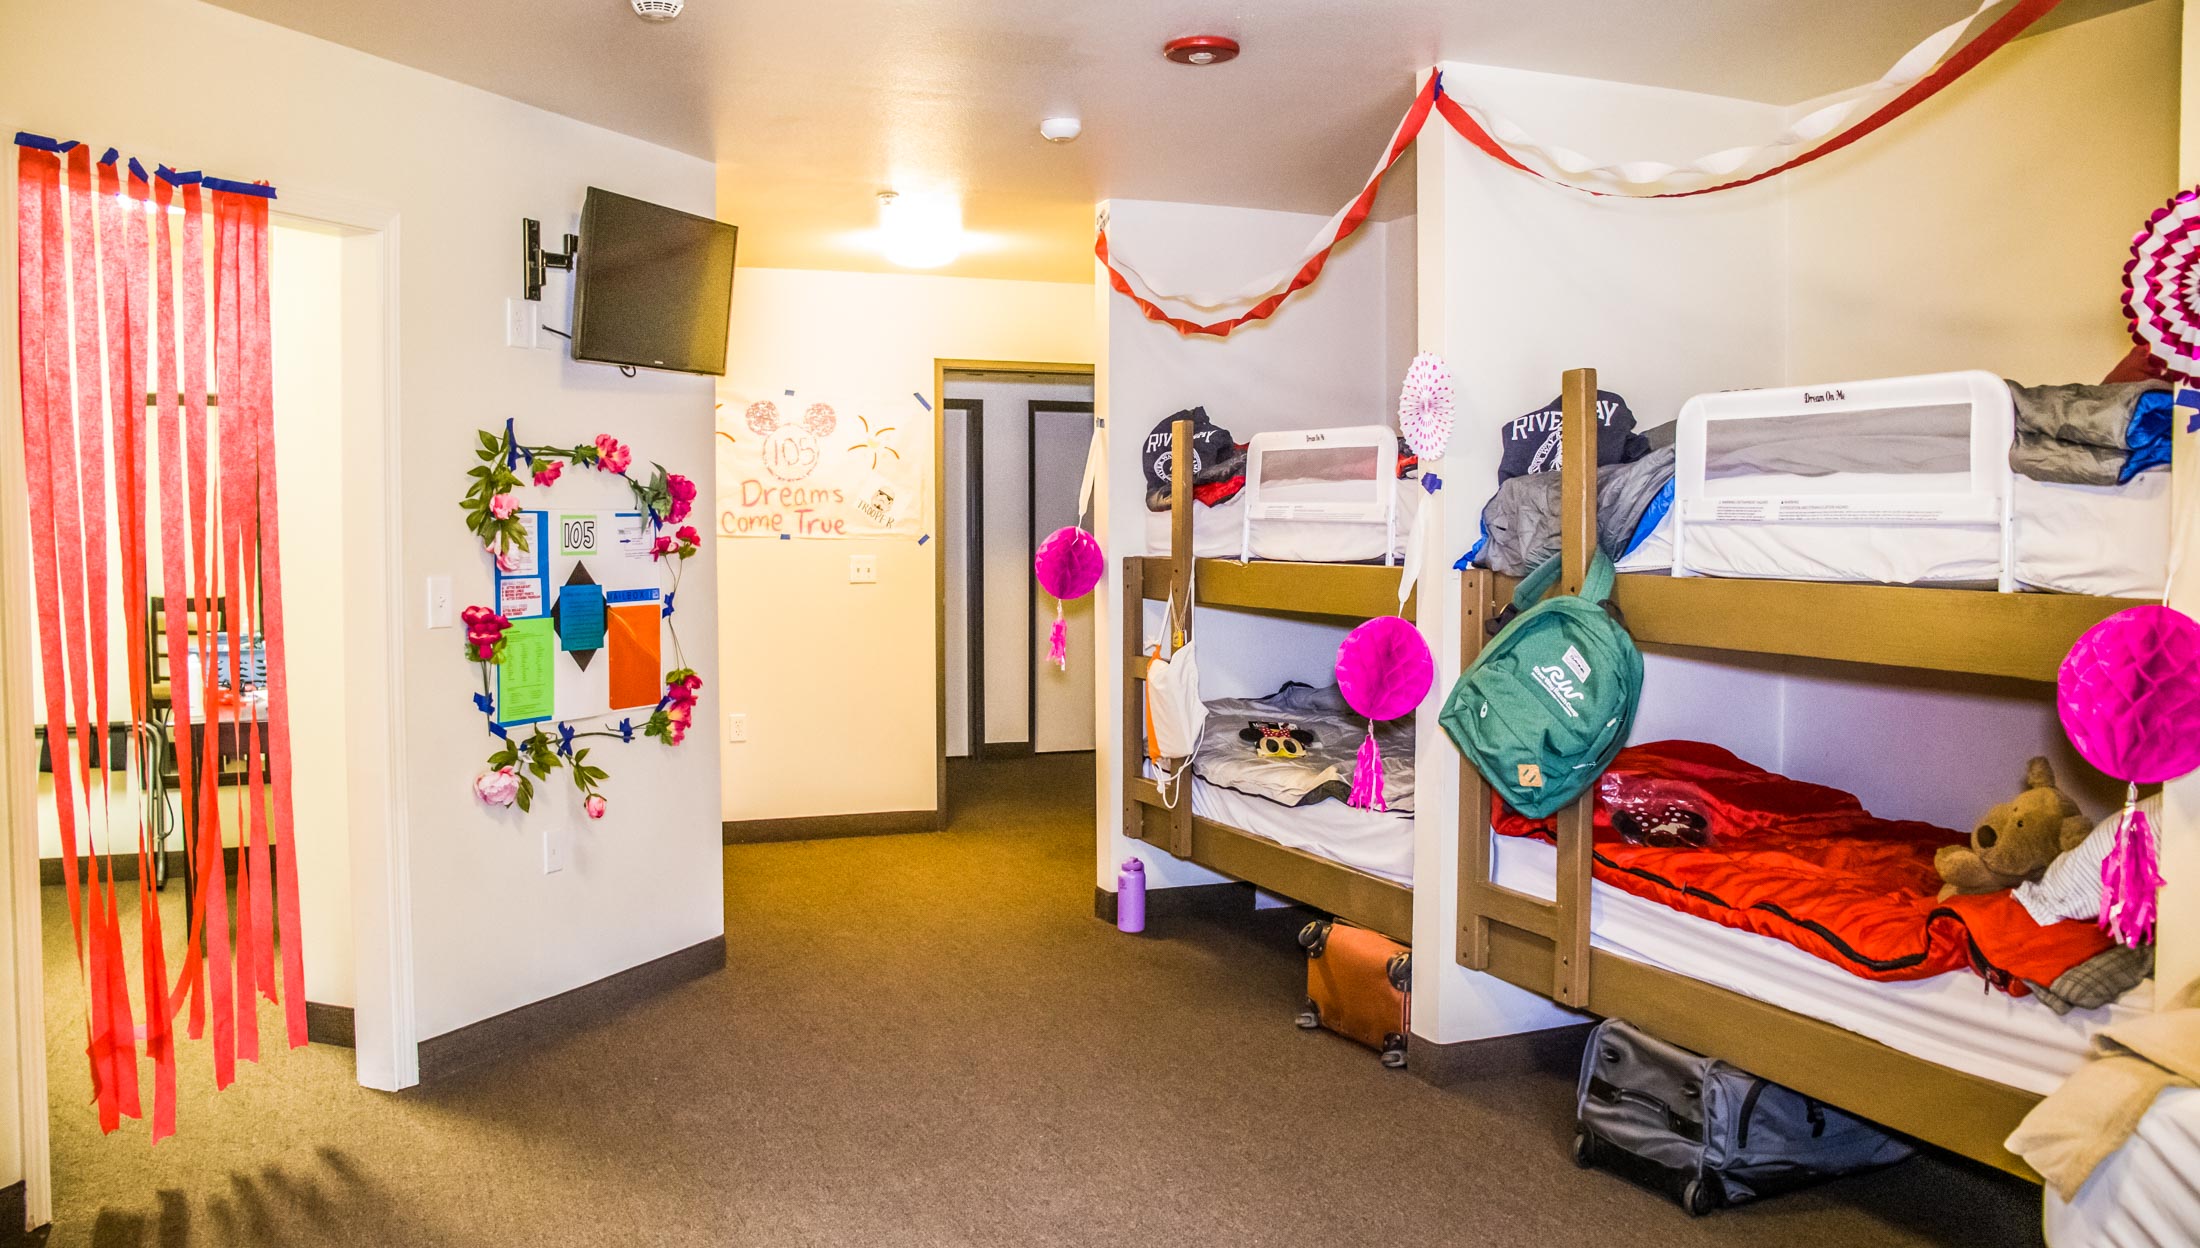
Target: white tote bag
(1174,713)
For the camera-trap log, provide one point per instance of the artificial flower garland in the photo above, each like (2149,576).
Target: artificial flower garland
(493,516)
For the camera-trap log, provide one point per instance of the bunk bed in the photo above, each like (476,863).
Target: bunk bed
(1508,929)
(1331,591)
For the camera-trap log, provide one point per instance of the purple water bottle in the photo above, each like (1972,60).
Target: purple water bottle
(1130,896)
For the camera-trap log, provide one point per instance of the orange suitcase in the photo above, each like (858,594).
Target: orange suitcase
(1359,984)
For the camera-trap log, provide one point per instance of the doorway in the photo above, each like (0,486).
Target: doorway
(331,267)
(1013,444)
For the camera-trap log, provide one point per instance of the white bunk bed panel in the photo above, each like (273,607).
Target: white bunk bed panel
(1953,1020)
(1377,842)
(2083,539)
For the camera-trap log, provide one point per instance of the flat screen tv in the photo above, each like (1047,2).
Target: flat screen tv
(653,286)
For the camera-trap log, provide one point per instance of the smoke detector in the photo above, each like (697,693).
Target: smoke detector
(1201,49)
(1061,129)
(658,10)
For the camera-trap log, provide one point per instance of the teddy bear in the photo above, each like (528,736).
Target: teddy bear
(2016,840)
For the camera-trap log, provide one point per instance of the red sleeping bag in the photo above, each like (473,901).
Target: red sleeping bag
(1693,827)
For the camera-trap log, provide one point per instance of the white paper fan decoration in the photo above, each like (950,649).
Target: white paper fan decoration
(1424,407)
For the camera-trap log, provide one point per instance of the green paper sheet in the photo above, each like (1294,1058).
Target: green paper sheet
(525,693)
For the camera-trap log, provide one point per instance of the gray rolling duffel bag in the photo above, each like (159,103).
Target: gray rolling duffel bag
(1706,1133)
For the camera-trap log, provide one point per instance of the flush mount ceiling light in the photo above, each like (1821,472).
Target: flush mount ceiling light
(919,231)
(1201,50)
(1061,129)
(658,10)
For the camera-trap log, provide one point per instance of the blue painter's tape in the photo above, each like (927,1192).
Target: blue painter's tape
(256,189)
(1431,482)
(629,595)
(40,143)
(138,171)
(922,540)
(921,399)
(786,537)
(790,394)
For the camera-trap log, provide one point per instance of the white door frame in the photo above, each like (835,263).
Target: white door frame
(385,1023)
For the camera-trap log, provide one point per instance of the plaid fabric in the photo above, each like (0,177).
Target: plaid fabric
(2098,980)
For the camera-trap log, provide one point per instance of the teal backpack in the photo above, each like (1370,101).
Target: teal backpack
(1552,698)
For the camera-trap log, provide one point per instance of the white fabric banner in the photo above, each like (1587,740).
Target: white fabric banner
(796,470)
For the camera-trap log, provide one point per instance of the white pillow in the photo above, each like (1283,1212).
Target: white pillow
(2071,889)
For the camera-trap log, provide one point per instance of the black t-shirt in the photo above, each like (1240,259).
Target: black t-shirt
(1215,455)
(1532,441)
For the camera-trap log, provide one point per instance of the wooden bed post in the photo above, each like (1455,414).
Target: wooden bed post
(1134,696)
(1577,545)
(1477,605)
(1182,551)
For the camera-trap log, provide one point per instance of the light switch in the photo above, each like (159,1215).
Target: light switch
(555,851)
(439,602)
(863,569)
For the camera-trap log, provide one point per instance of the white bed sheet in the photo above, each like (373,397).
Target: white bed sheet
(2107,540)
(1954,1020)
(2085,539)
(1377,842)
(2145,1194)
(1218,532)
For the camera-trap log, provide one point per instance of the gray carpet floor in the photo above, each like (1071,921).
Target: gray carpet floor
(925,1040)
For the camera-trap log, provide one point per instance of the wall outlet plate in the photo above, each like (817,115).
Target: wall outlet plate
(737,728)
(863,569)
(522,324)
(557,850)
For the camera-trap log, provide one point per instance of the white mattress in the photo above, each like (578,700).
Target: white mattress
(2075,539)
(1218,532)
(2145,1194)
(1377,842)
(1954,1020)
(2087,539)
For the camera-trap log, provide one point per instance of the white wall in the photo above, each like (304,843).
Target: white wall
(1323,360)
(1062,701)
(811,659)
(456,168)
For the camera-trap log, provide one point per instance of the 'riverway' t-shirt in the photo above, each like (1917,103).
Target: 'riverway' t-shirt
(1532,441)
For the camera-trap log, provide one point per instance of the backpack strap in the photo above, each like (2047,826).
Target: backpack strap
(1596,586)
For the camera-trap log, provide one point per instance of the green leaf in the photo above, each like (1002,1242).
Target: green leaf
(526,795)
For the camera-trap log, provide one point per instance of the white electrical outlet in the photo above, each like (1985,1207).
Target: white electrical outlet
(863,569)
(439,602)
(522,324)
(555,850)
(737,728)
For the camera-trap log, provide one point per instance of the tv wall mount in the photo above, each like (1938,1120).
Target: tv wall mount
(536,263)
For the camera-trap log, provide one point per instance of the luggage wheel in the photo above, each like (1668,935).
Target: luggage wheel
(1585,1148)
(1310,1016)
(1394,1051)
(1697,1198)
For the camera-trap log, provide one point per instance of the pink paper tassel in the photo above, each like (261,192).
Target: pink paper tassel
(1367,775)
(1058,641)
(2130,881)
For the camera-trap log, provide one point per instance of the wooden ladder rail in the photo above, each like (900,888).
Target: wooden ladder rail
(1141,795)
(1565,919)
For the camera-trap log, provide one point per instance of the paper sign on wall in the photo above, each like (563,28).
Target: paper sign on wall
(821,470)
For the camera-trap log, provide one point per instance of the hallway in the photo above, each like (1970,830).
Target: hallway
(925,1040)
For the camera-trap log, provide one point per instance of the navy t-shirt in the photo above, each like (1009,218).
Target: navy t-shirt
(1532,442)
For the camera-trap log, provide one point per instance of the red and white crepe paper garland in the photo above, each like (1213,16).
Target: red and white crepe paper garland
(1424,407)
(2162,288)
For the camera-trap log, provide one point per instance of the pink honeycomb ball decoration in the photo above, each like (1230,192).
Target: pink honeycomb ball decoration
(2129,693)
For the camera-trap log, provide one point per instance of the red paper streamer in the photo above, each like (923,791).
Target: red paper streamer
(115,295)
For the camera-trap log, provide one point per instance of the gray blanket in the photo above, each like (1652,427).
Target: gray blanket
(1522,517)
(1323,736)
(2078,434)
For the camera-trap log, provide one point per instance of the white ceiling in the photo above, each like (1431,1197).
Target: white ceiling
(810,107)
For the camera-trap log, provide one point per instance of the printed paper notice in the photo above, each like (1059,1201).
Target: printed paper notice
(526,562)
(524,679)
(518,599)
(580,617)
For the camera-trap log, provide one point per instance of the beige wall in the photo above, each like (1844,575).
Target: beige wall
(839,680)
(454,169)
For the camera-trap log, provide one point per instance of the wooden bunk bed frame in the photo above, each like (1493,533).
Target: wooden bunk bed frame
(1544,946)
(1306,590)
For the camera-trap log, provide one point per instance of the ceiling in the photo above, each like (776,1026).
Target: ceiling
(810,107)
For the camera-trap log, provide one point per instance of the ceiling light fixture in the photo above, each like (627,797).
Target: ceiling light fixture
(1061,129)
(658,10)
(919,231)
(1201,50)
